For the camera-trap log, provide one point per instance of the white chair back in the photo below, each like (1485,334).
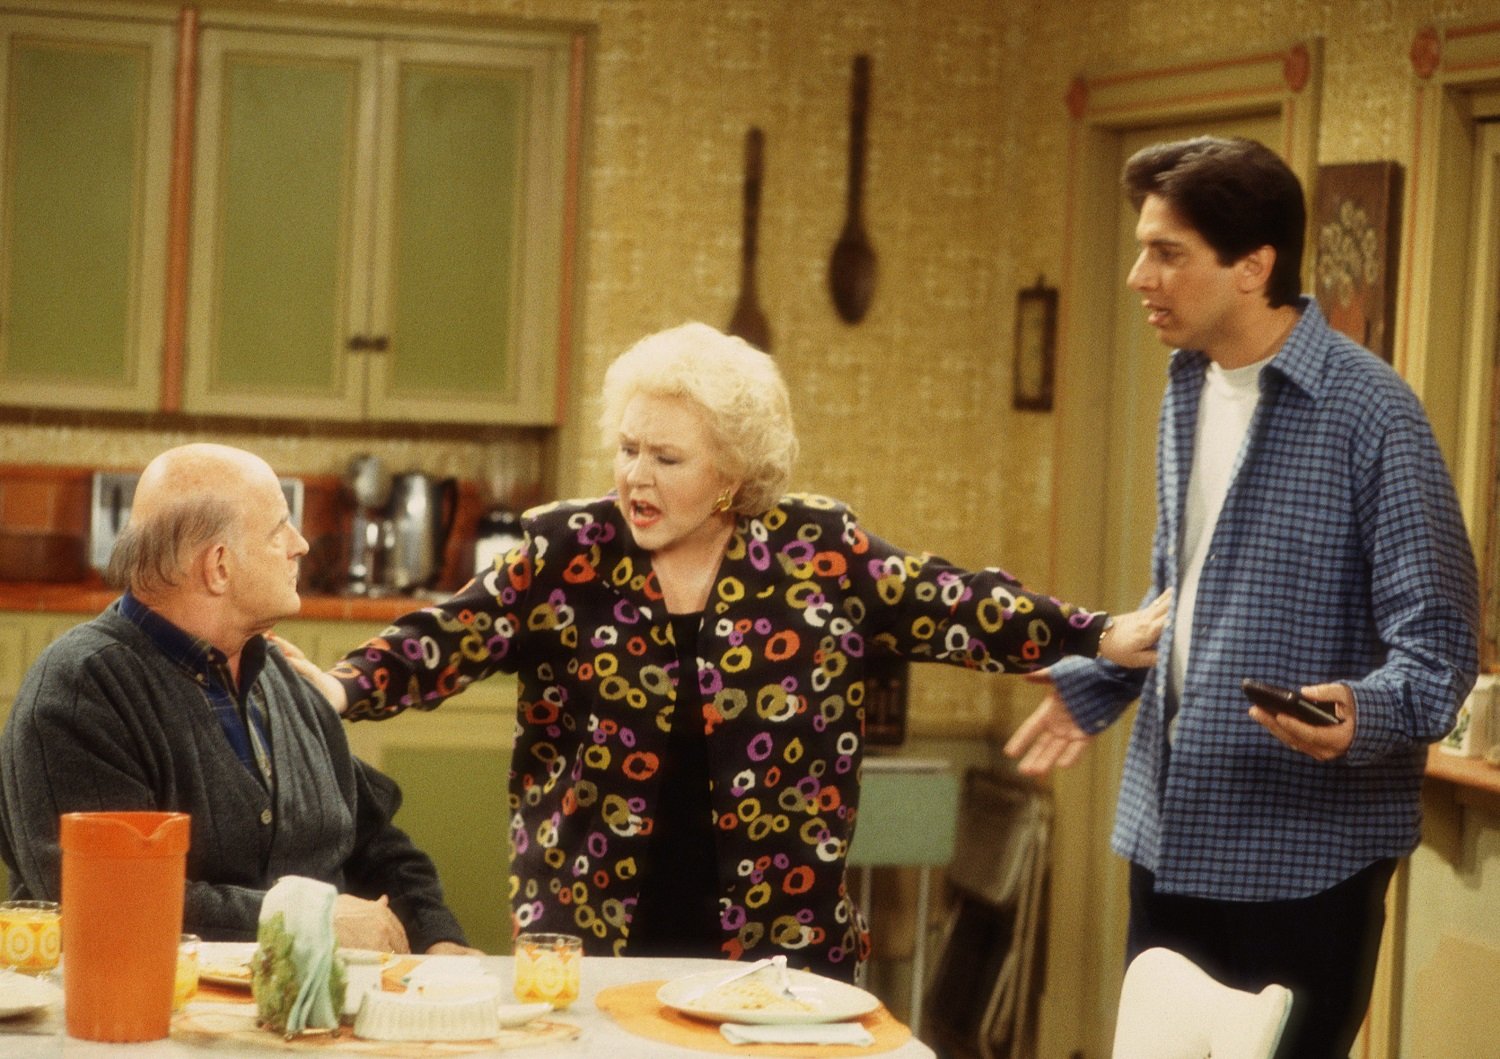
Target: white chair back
(1171,1009)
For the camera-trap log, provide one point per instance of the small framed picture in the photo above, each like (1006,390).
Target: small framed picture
(1356,220)
(1036,347)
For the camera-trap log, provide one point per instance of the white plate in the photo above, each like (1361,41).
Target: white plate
(831,1000)
(512,1015)
(228,962)
(20,995)
(225,962)
(361,956)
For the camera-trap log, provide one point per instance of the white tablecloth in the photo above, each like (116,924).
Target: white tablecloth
(600,1038)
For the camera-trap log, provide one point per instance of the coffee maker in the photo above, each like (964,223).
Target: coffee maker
(369,484)
(420,513)
(399,529)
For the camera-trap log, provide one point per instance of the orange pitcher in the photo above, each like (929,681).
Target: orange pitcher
(122,891)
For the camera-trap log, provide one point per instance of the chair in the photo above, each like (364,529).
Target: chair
(982,999)
(1171,1009)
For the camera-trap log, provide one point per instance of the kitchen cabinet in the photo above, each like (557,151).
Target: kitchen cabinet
(378,226)
(22,638)
(87,107)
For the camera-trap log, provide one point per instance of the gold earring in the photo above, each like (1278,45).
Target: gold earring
(726,498)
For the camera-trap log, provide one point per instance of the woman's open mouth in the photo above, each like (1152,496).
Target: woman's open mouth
(642,513)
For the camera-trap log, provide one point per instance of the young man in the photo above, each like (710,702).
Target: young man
(1310,530)
(173,700)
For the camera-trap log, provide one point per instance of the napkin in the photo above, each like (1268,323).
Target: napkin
(814,1033)
(451,978)
(297,979)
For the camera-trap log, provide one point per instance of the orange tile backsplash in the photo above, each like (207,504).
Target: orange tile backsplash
(54,499)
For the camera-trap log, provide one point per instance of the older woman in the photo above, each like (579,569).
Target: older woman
(690,652)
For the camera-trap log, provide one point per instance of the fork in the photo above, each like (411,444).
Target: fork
(779,962)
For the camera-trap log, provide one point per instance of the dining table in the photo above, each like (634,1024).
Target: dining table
(615,1017)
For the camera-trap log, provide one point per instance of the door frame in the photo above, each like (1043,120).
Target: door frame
(1084,971)
(1440,347)
(1445,348)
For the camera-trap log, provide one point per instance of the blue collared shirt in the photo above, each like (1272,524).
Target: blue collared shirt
(241,710)
(1340,555)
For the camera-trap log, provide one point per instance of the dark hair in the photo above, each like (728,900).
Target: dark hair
(147,556)
(1237,194)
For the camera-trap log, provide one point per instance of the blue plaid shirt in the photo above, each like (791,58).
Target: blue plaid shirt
(1340,555)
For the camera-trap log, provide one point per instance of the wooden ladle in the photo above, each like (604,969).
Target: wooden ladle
(851,272)
(748,321)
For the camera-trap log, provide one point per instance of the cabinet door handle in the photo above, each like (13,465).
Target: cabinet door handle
(379,343)
(358,343)
(368,343)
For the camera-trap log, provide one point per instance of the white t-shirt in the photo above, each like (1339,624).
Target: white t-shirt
(1225,409)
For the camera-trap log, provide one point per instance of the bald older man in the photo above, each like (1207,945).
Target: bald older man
(174,700)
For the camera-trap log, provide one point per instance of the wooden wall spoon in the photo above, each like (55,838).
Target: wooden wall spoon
(851,271)
(748,321)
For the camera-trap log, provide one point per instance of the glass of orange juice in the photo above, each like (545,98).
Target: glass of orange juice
(185,982)
(30,936)
(548,967)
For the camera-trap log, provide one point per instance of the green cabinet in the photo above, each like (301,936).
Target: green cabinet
(378,223)
(86,105)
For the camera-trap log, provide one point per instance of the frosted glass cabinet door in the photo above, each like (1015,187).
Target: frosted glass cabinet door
(377,227)
(280,255)
(469,232)
(85,138)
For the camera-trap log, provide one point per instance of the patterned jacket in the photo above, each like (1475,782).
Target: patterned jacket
(576,613)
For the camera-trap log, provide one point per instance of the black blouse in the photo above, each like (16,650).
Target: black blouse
(677,913)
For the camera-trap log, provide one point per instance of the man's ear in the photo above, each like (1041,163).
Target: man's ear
(214,566)
(1253,271)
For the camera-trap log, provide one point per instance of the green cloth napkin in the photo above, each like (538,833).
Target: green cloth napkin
(297,977)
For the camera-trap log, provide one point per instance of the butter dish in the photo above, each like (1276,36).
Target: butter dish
(411,1017)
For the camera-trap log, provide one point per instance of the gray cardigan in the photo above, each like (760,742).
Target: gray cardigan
(104,721)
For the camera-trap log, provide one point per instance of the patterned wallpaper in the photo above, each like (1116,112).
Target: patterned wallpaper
(906,416)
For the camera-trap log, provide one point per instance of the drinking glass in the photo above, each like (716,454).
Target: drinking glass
(30,935)
(548,968)
(185,983)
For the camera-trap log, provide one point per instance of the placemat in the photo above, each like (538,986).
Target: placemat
(635,1007)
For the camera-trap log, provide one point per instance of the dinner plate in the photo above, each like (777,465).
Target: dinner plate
(228,962)
(829,1000)
(21,995)
(225,962)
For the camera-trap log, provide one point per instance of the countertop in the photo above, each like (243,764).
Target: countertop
(1465,771)
(91,597)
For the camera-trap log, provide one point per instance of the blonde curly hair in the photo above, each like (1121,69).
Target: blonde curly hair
(743,397)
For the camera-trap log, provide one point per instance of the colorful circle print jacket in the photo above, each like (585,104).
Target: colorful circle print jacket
(576,613)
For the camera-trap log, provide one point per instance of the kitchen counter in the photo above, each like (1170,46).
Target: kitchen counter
(91,597)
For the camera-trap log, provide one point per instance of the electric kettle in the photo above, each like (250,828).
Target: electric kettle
(420,516)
